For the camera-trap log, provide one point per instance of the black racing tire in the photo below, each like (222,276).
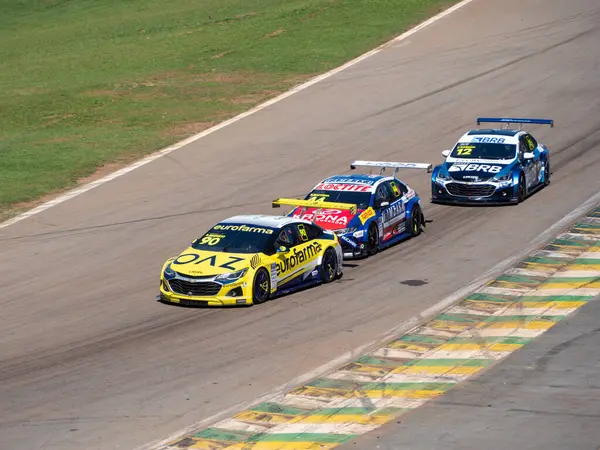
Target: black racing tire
(547,172)
(521,190)
(372,239)
(261,286)
(415,222)
(329,266)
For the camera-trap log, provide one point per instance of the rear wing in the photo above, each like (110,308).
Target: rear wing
(320,205)
(509,120)
(391,165)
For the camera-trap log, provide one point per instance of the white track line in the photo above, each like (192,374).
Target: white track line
(400,329)
(148,159)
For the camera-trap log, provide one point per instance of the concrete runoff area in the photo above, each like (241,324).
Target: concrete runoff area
(544,396)
(89,360)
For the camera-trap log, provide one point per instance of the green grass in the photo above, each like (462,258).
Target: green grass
(84,83)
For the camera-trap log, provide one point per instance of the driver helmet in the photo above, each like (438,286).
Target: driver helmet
(285,237)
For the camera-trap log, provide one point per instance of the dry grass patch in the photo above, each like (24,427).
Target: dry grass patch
(185,130)
(277,32)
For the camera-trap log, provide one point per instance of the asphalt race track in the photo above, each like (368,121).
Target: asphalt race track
(89,359)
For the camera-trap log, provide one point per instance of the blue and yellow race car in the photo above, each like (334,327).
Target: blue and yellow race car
(492,165)
(367,212)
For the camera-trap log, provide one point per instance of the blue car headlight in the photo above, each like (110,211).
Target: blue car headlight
(231,276)
(169,272)
(506,177)
(441,176)
(346,230)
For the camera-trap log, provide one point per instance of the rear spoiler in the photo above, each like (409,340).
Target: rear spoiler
(391,165)
(509,120)
(313,204)
(319,204)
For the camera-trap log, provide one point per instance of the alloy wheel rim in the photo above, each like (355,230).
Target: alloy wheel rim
(261,286)
(329,266)
(372,238)
(522,189)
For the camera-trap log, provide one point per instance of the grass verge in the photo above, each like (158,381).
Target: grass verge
(88,83)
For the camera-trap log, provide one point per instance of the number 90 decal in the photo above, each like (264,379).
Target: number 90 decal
(210,240)
(302,233)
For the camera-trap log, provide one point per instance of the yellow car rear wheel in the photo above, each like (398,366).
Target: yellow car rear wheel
(329,266)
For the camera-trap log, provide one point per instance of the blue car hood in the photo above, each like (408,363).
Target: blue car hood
(476,170)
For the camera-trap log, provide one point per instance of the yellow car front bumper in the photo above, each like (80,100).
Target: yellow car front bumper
(220,299)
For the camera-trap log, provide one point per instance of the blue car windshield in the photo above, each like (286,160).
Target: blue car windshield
(237,238)
(484,150)
(360,199)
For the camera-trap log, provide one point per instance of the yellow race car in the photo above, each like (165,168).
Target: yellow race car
(247,259)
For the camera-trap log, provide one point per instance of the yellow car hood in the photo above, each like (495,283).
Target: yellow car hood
(205,263)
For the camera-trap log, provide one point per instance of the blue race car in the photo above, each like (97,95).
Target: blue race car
(367,212)
(492,165)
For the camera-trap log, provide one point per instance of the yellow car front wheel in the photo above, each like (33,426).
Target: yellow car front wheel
(261,287)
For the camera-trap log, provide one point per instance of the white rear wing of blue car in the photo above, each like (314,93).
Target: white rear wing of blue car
(520,121)
(382,165)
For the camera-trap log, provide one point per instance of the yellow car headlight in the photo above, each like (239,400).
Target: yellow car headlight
(169,272)
(232,276)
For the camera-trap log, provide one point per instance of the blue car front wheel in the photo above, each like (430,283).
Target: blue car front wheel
(547,173)
(416,221)
(521,190)
(372,240)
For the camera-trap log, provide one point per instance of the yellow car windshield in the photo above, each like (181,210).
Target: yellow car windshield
(237,238)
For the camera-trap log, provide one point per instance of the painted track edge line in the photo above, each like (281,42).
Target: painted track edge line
(403,328)
(165,151)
